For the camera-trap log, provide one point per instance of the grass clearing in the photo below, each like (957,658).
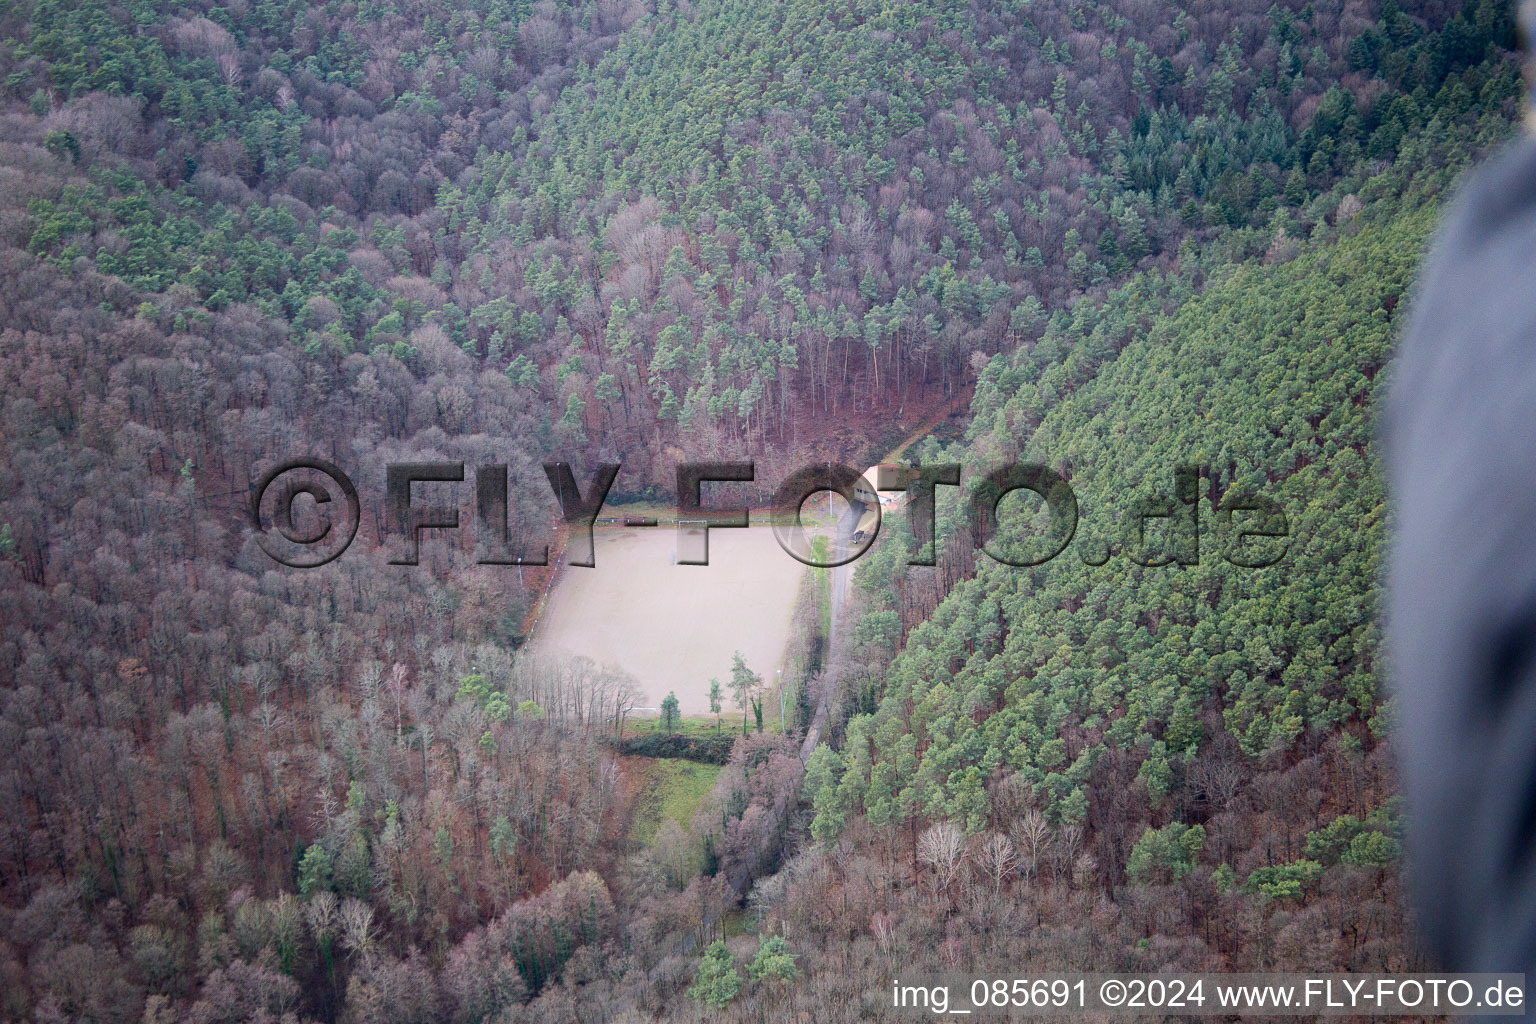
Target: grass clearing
(670,789)
(822,581)
(704,725)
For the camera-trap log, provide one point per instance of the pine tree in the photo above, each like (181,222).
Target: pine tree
(716,982)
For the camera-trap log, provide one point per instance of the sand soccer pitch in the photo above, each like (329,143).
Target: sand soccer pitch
(674,626)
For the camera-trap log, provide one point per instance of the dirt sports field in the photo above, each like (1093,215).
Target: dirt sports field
(675,626)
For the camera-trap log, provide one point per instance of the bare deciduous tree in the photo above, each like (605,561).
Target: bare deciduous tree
(996,857)
(1065,848)
(320,914)
(942,847)
(1031,833)
(356,926)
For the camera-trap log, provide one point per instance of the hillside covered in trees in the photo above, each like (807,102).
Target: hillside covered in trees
(705,224)
(1126,237)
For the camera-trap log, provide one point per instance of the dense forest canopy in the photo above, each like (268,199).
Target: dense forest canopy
(1124,237)
(702,222)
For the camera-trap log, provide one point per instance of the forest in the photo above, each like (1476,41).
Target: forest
(1113,239)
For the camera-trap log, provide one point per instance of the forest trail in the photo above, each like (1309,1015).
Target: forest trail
(840,575)
(956,406)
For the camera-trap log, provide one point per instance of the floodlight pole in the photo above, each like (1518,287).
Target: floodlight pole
(780,673)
